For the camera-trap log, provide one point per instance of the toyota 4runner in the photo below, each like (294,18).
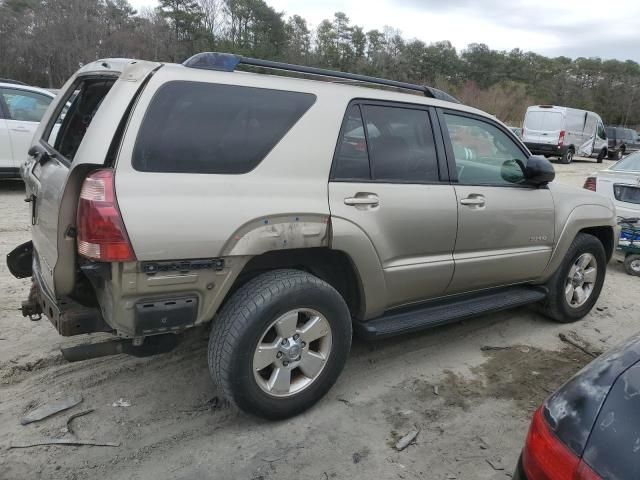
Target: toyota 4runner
(288,212)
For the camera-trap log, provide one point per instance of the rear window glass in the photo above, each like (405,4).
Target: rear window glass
(543,121)
(194,127)
(632,163)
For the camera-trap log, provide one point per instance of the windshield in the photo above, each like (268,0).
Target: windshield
(543,121)
(631,163)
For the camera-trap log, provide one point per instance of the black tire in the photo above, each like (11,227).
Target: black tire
(556,306)
(244,318)
(629,266)
(621,153)
(567,157)
(601,155)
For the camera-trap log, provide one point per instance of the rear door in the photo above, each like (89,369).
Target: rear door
(24,111)
(390,181)
(505,228)
(74,137)
(542,126)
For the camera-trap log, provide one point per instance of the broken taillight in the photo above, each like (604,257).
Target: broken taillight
(545,457)
(591,184)
(101,232)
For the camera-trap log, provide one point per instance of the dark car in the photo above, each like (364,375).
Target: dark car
(589,429)
(621,141)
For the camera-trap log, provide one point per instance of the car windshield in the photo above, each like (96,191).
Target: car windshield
(631,163)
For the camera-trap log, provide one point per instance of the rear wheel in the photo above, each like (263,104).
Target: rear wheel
(575,287)
(632,264)
(567,157)
(280,343)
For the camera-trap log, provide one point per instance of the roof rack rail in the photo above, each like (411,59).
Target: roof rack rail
(227,62)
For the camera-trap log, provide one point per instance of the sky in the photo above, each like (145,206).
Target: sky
(574,28)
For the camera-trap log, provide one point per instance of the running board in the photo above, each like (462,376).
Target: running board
(440,312)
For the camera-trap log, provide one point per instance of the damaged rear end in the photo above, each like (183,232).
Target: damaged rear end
(76,227)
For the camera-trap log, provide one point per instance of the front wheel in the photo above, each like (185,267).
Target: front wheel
(575,287)
(601,155)
(280,343)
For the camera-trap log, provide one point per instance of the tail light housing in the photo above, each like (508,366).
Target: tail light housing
(591,184)
(545,457)
(561,138)
(101,232)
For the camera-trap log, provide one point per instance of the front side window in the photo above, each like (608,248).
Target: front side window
(401,144)
(194,127)
(601,132)
(484,154)
(25,106)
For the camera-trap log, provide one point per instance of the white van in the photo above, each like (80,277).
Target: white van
(564,132)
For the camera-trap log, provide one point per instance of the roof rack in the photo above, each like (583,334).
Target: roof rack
(227,62)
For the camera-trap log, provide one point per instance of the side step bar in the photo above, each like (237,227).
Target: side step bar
(443,311)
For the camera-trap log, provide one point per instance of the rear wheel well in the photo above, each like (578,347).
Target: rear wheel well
(333,266)
(605,235)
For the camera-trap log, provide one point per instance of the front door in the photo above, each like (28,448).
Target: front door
(6,154)
(386,180)
(505,228)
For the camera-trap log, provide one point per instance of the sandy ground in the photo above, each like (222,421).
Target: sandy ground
(472,405)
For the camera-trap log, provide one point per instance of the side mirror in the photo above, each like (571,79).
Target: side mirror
(536,171)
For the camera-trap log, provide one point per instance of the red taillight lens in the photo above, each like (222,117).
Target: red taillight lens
(591,184)
(101,232)
(545,457)
(561,138)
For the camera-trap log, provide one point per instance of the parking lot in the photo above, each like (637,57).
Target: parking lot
(469,388)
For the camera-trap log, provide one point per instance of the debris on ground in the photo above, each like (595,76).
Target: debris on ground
(496,463)
(488,348)
(74,416)
(577,343)
(51,409)
(121,403)
(64,441)
(436,390)
(357,457)
(407,440)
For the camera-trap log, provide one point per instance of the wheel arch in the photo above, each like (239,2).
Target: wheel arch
(596,220)
(335,267)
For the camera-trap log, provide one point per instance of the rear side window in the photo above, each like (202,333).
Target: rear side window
(194,127)
(352,160)
(24,106)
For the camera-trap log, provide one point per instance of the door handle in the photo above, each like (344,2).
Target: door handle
(20,129)
(364,200)
(473,201)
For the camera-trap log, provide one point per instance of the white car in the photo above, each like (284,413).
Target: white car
(21,108)
(621,183)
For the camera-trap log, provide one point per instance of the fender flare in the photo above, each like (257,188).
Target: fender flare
(580,218)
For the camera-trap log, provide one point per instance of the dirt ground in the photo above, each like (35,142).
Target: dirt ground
(471,404)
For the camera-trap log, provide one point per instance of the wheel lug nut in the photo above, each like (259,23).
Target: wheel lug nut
(285,363)
(284,341)
(296,336)
(304,344)
(279,355)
